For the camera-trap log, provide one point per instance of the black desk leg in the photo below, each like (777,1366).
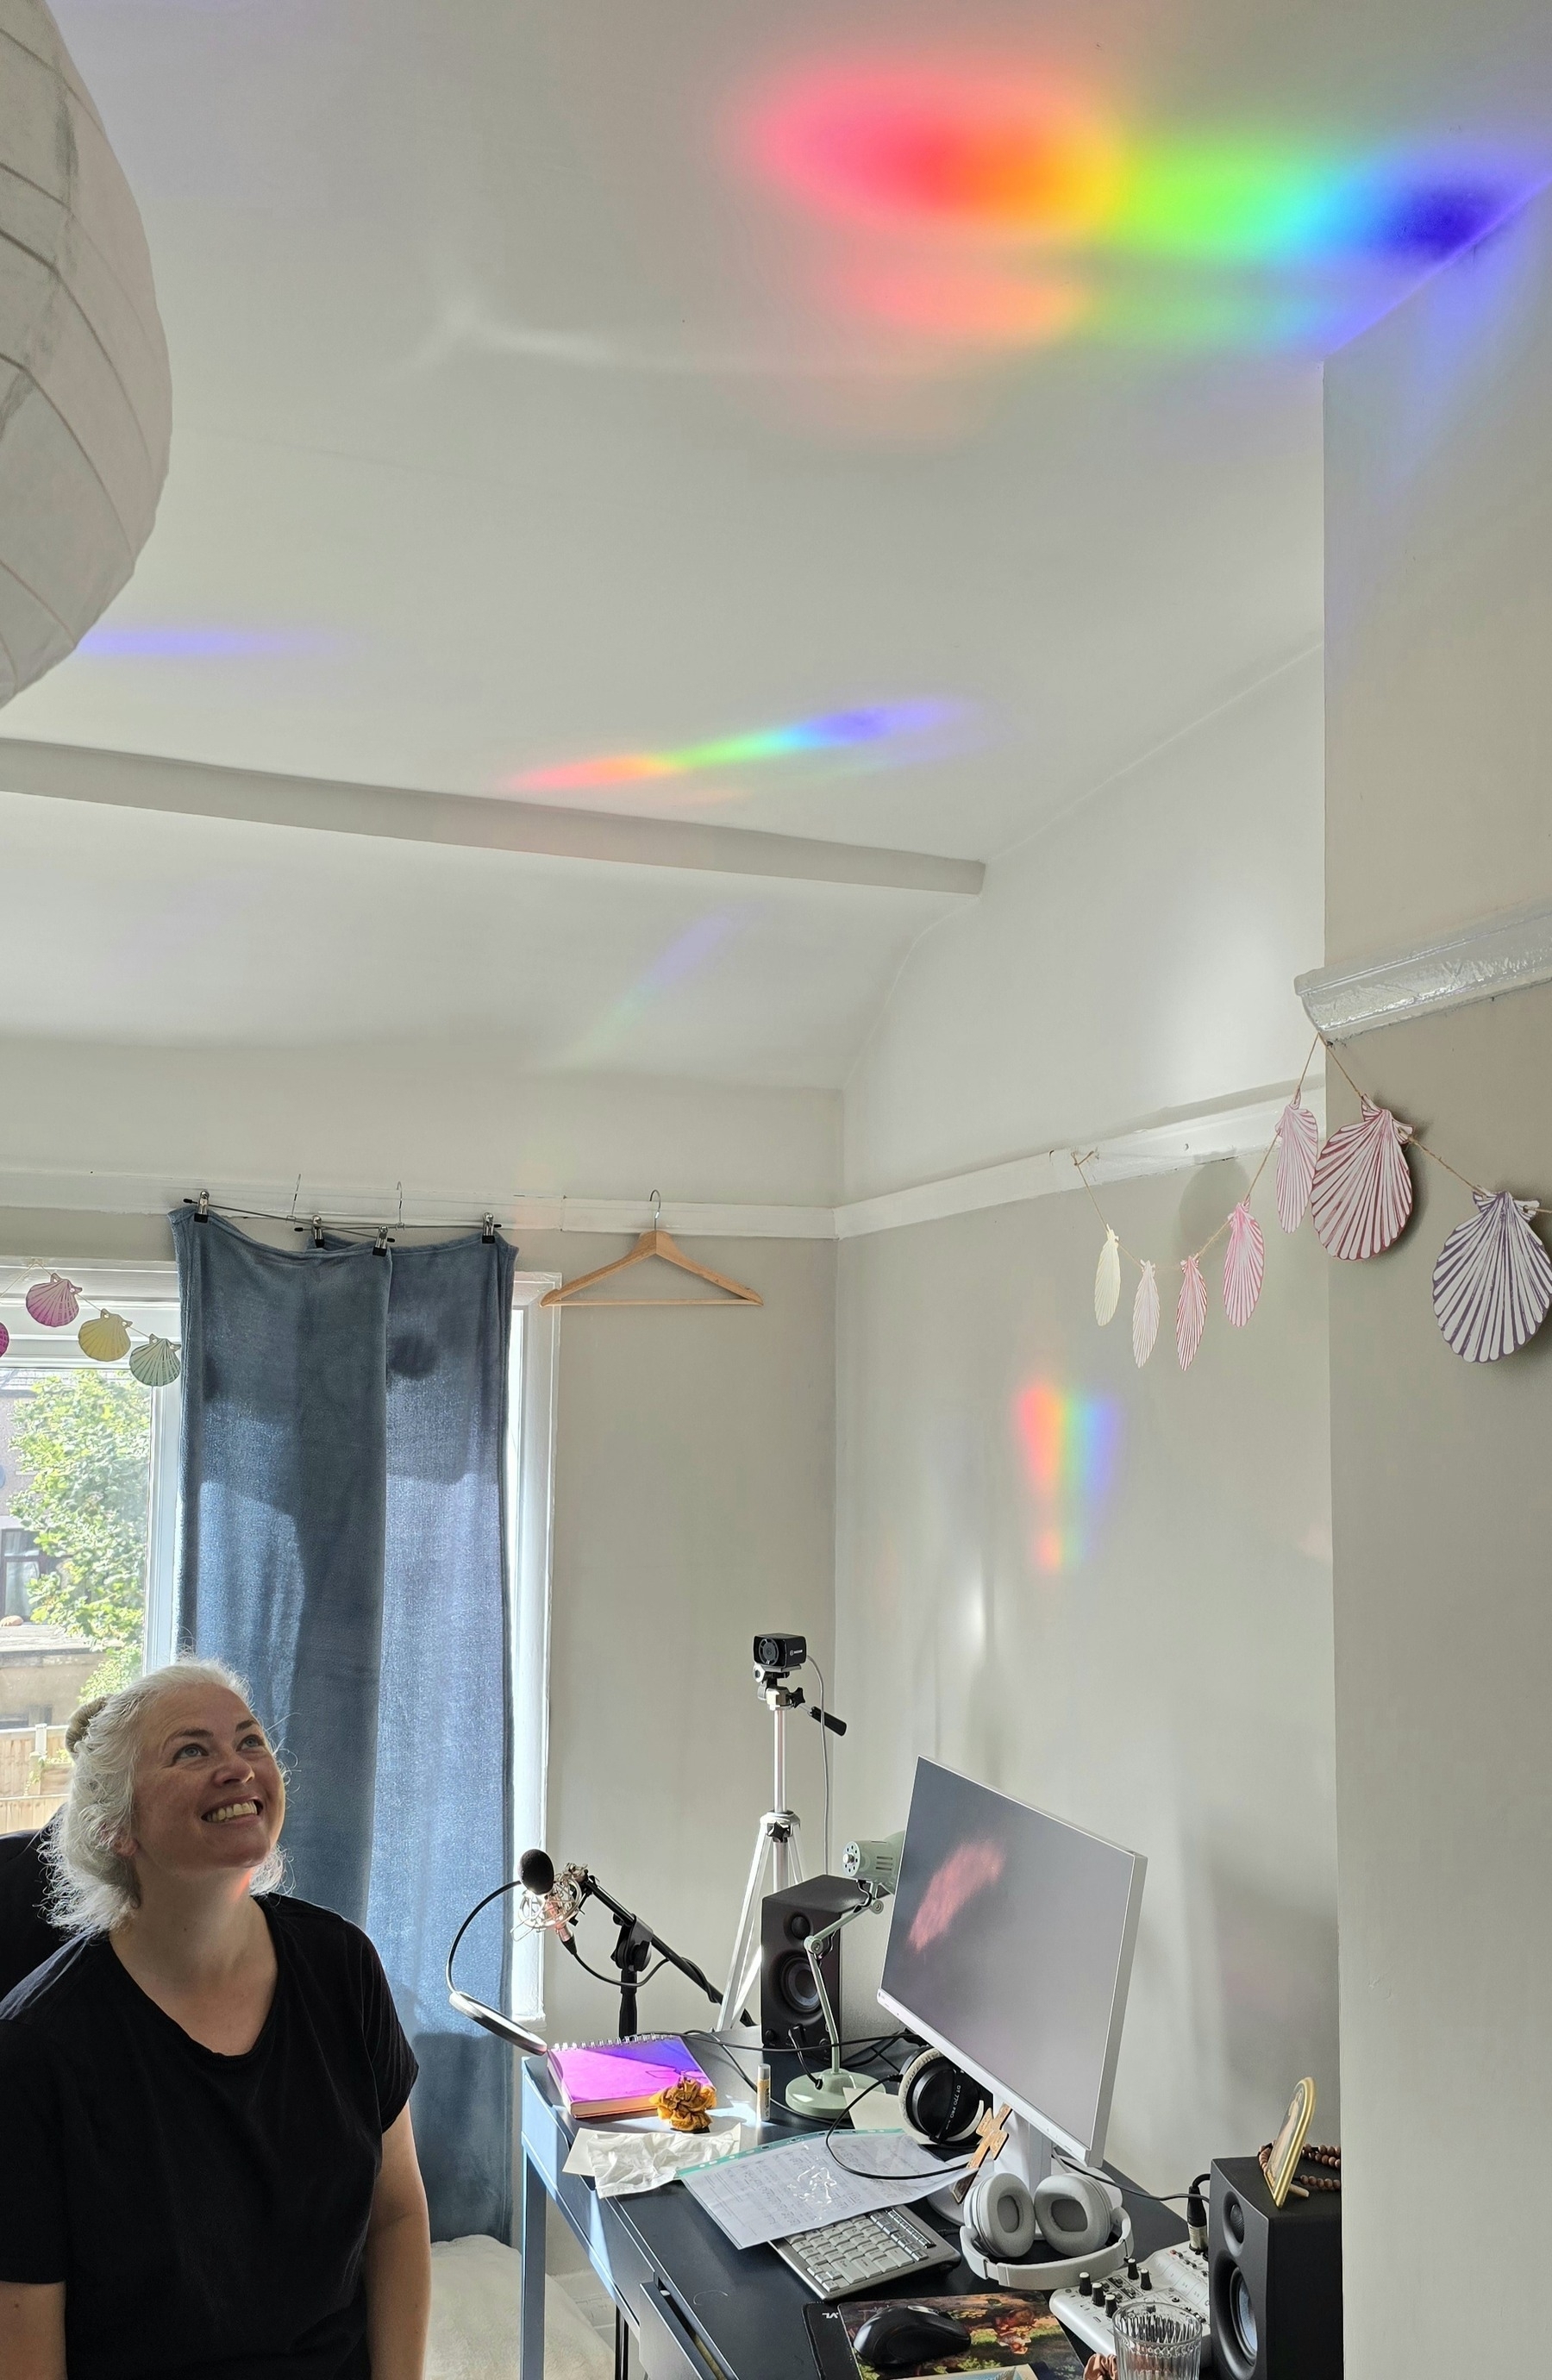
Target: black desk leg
(622,2345)
(530,2327)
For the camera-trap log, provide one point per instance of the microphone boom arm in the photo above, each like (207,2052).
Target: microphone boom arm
(633,1951)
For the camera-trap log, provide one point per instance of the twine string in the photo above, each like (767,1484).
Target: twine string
(1319,1042)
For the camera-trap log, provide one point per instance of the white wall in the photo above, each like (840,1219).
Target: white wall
(454,1119)
(1160,1671)
(1135,958)
(1171,1685)
(1440,603)
(1438,531)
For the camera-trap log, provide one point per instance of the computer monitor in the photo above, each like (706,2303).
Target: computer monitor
(1010,1948)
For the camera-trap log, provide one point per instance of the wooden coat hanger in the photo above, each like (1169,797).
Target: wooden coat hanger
(654,1242)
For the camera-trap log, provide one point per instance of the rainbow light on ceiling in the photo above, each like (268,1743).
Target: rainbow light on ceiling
(1069,1443)
(834,731)
(689,951)
(922,161)
(117,640)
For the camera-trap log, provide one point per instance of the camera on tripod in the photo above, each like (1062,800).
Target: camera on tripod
(778,1657)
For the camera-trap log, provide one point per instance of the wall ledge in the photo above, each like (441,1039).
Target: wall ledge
(1240,1126)
(1507,953)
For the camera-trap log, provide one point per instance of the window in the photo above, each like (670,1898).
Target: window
(87,1464)
(89,1498)
(530,1443)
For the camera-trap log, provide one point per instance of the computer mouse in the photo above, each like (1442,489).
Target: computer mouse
(898,2337)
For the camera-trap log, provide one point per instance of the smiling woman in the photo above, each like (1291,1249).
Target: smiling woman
(204,2095)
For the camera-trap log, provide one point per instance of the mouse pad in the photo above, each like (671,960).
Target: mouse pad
(1006,2333)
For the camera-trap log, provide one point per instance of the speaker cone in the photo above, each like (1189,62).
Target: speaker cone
(796,1981)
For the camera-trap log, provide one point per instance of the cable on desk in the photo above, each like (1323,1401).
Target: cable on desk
(871,2173)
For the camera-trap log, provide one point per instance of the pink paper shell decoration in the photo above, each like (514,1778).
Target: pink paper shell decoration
(1298,1141)
(53,1302)
(1145,1317)
(1493,1281)
(5,1338)
(1361,1193)
(1244,1266)
(1190,1314)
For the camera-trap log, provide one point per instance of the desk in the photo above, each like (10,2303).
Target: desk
(701,2306)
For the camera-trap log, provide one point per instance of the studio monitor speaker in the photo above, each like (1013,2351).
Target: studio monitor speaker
(791,2016)
(1274,2279)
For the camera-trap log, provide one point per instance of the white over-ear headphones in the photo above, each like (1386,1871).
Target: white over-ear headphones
(1073,2213)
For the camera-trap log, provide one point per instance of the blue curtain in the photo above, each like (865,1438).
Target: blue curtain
(344,1547)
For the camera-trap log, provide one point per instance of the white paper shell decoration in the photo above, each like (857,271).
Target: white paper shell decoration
(1107,1281)
(105,1339)
(1493,1281)
(53,1302)
(1298,1141)
(1190,1314)
(1145,1316)
(1361,1193)
(156,1364)
(1244,1266)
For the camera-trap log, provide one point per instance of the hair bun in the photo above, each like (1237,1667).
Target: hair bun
(79,1722)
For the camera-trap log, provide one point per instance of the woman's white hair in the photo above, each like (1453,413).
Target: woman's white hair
(93,1888)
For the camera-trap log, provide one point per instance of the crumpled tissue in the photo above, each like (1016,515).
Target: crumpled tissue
(623,2163)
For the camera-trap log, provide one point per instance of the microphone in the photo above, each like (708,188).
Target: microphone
(549,1903)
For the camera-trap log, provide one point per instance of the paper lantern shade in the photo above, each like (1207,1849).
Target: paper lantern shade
(85,395)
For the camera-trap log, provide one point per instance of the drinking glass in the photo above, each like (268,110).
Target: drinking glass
(1156,2342)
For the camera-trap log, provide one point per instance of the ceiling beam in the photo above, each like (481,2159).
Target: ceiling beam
(141,781)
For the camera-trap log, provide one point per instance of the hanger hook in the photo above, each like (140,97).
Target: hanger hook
(657,1209)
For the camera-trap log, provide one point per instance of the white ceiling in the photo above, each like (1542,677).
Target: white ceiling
(512,426)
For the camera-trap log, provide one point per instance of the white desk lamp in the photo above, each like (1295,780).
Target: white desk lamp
(875,1868)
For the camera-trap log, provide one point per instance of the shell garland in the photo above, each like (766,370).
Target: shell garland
(105,1339)
(1298,1141)
(1145,1316)
(1107,1280)
(55,1302)
(1493,1281)
(1190,1314)
(1361,1197)
(156,1364)
(1244,1266)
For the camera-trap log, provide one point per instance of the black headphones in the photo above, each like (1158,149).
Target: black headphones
(938,2102)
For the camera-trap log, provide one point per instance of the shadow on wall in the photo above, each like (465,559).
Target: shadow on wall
(1267,1970)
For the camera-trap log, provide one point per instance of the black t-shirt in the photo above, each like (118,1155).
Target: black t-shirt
(26,1937)
(207,2215)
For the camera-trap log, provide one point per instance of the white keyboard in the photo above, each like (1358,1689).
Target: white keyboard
(1174,2277)
(841,2258)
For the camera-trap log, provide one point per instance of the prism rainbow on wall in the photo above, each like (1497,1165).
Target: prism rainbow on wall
(1069,1441)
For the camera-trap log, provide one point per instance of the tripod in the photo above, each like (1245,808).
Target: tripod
(776,1851)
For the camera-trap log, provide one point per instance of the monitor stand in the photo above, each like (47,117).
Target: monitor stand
(1029,2155)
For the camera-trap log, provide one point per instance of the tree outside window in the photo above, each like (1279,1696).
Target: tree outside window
(81,1445)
